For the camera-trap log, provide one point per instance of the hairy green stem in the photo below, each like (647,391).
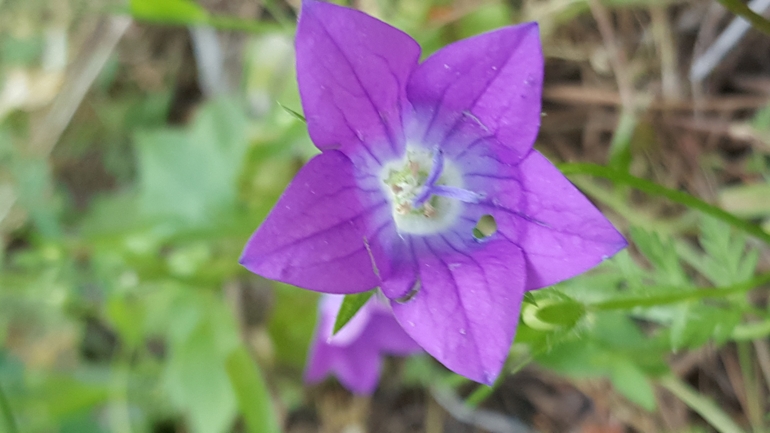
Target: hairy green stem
(673,195)
(679,295)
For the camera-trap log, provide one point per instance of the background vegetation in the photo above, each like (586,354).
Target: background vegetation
(141,143)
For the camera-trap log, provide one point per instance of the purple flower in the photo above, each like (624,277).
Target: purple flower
(354,353)
(413,155)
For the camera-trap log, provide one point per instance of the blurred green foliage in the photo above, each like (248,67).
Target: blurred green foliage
(123,313)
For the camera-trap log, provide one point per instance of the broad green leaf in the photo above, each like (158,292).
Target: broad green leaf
(617,330)
(202,334)
(251,392)
(172,11)
(350,306)
(631,381)
(63,396)
(578,358)
(191,174)
(198,383)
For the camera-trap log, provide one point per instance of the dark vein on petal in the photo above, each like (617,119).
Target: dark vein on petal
(388,132)
(436,110)
(497,73)
(348,220)
(472,145)
(471,333)
(353,252)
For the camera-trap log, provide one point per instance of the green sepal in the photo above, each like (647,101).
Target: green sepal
(350,306)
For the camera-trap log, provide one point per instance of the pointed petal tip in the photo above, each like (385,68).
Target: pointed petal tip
(490,378)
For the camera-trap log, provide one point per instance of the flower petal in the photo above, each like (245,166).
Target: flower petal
(493,80)
(356,365)
(466,312)
(316,235)
(560,230)
(391,337)
(352,71)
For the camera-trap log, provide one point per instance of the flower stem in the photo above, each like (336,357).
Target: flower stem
(673,195)
(677,295)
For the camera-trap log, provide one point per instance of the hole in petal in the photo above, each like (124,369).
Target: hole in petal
(410,294)
(486,227)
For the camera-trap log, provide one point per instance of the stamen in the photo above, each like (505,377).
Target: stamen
(436,168)
(430,188)
(463,195)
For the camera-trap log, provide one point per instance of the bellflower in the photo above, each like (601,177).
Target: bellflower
(354,354)
(413,156)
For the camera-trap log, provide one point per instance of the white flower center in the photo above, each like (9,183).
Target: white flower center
(409,184)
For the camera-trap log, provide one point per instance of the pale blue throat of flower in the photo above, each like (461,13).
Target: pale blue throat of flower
(425,191)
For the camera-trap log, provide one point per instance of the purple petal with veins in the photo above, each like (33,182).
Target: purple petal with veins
(354,354)
(413,156)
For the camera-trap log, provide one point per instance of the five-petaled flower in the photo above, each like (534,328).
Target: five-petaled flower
(413,156)
(354,354)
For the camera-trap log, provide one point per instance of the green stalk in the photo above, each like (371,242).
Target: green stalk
(673,195)
(678,295)
(739,8)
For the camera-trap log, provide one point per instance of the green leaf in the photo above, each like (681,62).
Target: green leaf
(695,324)
(350,306)
(662,255)
(198,383)
(293,113)
(64,396)
(631,381)
(577,358)
(251,392)
(196,377)
(191,174)
(172,11)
